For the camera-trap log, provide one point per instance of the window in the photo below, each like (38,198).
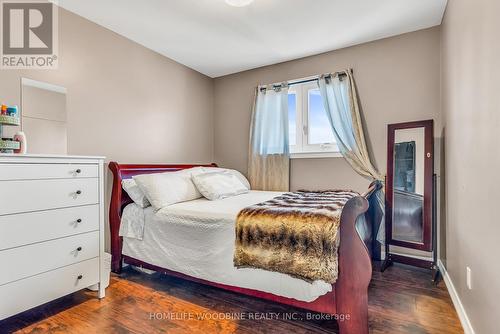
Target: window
(310,132)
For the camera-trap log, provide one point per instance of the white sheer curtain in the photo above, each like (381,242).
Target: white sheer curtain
(269,156)
(340,99)
(341,104)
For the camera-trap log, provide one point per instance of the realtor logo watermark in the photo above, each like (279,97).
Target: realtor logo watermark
(29,34)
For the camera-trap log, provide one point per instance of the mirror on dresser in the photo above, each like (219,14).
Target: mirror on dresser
(44,117)
(409,194)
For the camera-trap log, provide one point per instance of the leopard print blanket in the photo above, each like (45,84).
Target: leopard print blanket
(296,233)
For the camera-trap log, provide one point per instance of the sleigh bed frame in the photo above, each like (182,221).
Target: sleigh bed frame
(349,296)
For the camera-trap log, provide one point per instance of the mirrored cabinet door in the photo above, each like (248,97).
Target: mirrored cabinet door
(409,185)
(44,117)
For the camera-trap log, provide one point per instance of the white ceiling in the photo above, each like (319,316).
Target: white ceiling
(216,39)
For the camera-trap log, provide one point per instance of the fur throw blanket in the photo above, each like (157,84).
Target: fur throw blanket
(295,233)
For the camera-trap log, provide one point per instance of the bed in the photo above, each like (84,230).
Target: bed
(195,241)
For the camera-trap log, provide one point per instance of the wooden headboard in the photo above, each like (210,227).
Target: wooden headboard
(119,199)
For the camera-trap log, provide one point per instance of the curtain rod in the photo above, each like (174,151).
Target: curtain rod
(299,81)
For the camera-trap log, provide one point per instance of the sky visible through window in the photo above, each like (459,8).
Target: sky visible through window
(320,131)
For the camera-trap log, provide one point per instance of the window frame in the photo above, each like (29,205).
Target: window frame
(302,148)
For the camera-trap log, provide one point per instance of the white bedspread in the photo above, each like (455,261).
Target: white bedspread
(197,238)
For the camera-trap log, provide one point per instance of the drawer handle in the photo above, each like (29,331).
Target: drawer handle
(79,220)
(78,192)
(80,277)
(78,171)
(79,249)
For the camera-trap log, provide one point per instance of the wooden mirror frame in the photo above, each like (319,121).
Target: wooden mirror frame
(427,244)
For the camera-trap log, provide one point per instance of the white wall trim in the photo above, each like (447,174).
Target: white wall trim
(315,155)
(464,319)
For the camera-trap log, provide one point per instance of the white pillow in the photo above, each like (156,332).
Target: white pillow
(163,189)
(135,193)
(219,185)
(204,170)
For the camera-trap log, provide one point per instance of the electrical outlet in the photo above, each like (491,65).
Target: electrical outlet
(469,278)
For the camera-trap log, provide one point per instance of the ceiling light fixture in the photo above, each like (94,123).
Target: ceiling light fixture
(239,3)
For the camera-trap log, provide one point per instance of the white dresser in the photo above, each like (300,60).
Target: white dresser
(51,228)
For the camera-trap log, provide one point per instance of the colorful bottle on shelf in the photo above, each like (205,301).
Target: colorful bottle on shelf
(21,138)
(12,111)
(3,110)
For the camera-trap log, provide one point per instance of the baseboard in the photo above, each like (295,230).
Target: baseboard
(462,315)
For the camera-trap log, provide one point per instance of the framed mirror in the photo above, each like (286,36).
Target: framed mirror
(409,188)
(44,117)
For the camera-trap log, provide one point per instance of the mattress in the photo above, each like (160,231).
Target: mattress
(197,238)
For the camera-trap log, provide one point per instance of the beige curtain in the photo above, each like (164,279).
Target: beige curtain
(341,104)
(269,172)
(269,156)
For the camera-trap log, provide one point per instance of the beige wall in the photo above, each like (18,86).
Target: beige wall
(471,109)
(124,101)
(133,105)
(397,78)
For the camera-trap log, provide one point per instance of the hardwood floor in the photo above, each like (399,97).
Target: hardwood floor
(402,300)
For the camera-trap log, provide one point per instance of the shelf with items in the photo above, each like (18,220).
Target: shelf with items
(9,116)
(9,120)
(9,144)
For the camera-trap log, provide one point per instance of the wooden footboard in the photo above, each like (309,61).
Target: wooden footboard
(355,270)
(349,298)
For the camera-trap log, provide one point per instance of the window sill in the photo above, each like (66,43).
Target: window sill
(315,155)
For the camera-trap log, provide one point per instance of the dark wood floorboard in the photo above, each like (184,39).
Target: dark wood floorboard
(402,300)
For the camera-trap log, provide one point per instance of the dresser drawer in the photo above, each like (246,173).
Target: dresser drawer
(21,262)
(24,294)
(37,195)
(28,228)
(47,171)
